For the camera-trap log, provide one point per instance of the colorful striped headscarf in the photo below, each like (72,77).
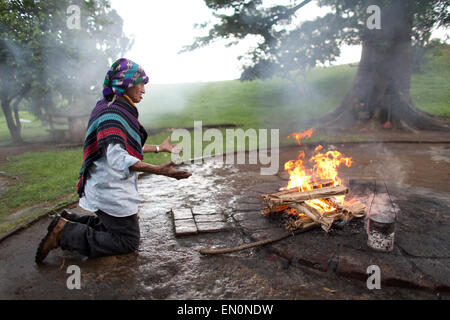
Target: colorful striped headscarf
(123,74)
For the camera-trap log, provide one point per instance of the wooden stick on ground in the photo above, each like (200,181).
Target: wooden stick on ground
(307,227)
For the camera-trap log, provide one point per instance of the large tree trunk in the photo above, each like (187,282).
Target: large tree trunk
(15,107)
(381,89)
(14,129)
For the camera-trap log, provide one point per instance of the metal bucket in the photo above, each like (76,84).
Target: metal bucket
(381,232)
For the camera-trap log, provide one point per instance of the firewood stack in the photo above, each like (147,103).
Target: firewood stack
(307,214)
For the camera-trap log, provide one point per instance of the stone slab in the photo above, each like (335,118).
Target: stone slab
(182,213)
(212,226)
(185,227)
(200,210)
(209,218)
(184,222)
(185,231)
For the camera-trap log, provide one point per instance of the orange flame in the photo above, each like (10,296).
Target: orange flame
(302,135)
(325,166)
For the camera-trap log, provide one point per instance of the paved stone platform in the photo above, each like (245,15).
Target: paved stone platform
(421,257)
(312,265)
(189,221)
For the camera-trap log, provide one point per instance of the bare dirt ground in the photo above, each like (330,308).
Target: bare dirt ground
(170,267)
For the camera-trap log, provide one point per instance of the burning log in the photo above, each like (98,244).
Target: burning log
(317,206)
(280,198)
(320,203)
(354,209)
(296,224)
(268,211)
(317,217)
(304,221)
(280,201)
(322,183)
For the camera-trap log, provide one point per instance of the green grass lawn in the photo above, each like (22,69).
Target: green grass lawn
(29,129)
(38,177)
(430,88)
(49,177)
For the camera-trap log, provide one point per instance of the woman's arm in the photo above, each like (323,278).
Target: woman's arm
(165,169)
(120,160)
(150,148)
(163,147)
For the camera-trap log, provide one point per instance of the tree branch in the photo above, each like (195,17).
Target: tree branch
(289,12)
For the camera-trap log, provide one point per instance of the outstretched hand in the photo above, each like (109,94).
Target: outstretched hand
(168,170)
(171,148)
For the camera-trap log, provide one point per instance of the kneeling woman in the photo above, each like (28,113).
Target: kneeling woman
(112,156)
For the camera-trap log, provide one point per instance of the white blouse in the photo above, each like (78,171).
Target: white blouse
(111,187)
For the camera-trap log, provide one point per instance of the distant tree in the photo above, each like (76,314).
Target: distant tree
(381,88)
(49,59)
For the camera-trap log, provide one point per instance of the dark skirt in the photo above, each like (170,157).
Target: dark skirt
(101,234)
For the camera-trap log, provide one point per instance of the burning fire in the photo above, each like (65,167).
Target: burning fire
(300,135)
(324,167)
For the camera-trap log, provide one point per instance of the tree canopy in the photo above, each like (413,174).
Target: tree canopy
(380,93)
(284,47)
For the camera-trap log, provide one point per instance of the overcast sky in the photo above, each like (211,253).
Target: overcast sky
(161,28)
